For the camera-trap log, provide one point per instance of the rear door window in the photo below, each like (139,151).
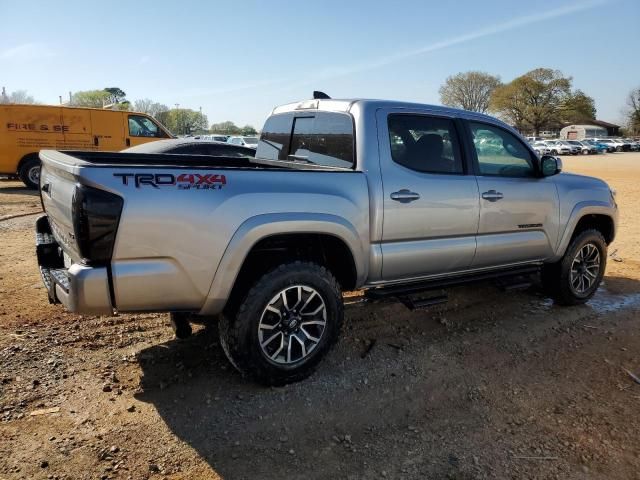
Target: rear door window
(425,144)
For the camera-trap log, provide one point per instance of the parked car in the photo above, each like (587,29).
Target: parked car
(558,148)
(600,147)
(268,244)
(215,138)
(611,147)
(616,144)
(541,148)
(251,142)
(634,146)
(189,146)
(584,148)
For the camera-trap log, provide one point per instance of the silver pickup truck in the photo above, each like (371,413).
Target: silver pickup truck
(393,198)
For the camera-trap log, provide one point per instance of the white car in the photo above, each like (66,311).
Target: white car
(541,148)
(251,142)
(558,148)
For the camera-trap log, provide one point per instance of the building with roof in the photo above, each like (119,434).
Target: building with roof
(590,129)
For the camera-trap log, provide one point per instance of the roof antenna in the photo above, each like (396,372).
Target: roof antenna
(318,95)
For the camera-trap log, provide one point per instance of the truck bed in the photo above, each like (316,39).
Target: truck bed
(76,158)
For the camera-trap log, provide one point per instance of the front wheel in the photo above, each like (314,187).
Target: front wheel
(576,277)
(285,325)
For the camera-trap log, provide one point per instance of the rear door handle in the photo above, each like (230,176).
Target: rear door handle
(492,195)
(404,196)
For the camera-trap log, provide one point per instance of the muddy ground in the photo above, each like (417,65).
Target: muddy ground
(489,385)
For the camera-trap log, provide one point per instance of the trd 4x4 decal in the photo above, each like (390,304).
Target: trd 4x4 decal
(184,181)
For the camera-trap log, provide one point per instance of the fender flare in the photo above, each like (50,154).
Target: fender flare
(259,227)
(579,211)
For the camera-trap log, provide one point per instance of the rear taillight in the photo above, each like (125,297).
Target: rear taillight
(96,214)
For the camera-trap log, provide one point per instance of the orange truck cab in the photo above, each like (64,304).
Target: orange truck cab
(26,129)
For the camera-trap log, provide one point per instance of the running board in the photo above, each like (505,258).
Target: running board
(420,303)
(407,289)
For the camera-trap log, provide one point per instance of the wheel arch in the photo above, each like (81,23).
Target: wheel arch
(600,216)
(327,237)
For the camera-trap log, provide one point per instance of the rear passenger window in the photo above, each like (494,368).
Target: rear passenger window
(425,144)
(323,139)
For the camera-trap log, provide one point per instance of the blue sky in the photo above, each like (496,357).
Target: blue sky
(238,60)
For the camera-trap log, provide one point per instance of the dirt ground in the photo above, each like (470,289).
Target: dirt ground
(489,385)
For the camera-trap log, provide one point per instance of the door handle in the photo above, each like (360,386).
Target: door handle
(46,188)
(492,195)
(404,196)
(128,142)
(96,142)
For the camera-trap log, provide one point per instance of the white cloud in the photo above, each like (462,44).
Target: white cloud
(339,71)
(27,51)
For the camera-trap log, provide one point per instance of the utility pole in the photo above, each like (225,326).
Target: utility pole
(4,95)
(180,131)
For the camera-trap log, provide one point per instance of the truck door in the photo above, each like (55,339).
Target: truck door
(519,210)
(142,129)
(430,201)
(77,128)
(107,130)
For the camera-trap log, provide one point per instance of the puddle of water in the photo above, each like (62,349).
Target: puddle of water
(603,302)
(606,302)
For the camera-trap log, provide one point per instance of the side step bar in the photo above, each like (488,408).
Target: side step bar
(403,292)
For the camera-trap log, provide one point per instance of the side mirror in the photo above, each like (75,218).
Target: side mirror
(550,165)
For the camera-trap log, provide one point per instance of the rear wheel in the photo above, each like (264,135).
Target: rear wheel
(285,325)
(576,277)
(29,173)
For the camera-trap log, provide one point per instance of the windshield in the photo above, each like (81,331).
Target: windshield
(251,139)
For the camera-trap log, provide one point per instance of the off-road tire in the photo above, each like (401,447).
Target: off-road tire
(24,172)
(556,277)
(239,326)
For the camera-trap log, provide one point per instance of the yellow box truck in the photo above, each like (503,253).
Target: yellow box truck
(26,129)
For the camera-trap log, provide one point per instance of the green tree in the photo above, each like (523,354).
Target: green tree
(90,98)
(116,95)
(577,108)
(184,121)
(99,98)
(469,90)
(248,130)
(534,100)
(226,128)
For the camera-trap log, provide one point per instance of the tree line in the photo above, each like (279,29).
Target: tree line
(538,100)
(180,121)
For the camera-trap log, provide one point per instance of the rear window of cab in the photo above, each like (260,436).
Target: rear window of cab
(319,138)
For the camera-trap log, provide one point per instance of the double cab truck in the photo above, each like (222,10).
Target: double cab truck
(27,129)
(387,197)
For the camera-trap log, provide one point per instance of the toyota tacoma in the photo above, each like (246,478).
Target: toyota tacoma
(394,199)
